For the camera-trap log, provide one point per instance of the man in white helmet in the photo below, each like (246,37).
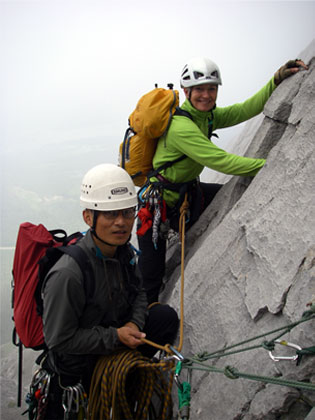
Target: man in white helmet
(188,144)
(77,330)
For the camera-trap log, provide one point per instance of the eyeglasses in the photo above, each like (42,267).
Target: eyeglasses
(129,213)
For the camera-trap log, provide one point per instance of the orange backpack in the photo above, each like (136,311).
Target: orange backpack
(147,123)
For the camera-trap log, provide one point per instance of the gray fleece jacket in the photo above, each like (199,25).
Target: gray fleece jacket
(75,329)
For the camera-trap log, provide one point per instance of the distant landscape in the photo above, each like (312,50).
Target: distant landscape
(42,185)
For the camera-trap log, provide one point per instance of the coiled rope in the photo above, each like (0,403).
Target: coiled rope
(123,385)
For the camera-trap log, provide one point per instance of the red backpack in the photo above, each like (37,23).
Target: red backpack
(36,251)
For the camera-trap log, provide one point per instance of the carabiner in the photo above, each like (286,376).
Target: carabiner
(177,355)
(285,343)
(178,370)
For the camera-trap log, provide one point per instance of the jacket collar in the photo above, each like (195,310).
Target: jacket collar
(123,253)
(195,113)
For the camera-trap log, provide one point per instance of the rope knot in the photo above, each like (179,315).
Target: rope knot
(268,345)
(184,207)
(231,372)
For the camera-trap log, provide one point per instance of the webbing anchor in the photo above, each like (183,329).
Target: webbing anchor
(287,344)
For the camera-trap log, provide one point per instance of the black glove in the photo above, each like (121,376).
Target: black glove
(291,67)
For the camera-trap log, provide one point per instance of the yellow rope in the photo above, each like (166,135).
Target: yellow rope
(123,385)
(182,222)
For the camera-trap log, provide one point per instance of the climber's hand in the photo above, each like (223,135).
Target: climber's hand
(130,335)
(291,67)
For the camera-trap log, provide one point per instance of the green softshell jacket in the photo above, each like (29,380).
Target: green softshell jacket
(187,137)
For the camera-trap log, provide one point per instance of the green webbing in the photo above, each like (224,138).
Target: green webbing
(184,394)
(307,351)
(197,362)
(184,400)
(233,373)
(266,344)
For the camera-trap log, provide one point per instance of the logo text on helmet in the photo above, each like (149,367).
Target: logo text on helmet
(119,191)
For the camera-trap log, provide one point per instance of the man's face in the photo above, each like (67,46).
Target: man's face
(202,97)
(112,227)
(115,227)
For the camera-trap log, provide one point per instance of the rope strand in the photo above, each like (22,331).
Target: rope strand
(124,383)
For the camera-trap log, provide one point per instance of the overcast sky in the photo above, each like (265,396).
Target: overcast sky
(75,69)
(72,71)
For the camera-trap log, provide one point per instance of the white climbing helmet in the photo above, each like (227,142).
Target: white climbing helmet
(199,71)
(107,187)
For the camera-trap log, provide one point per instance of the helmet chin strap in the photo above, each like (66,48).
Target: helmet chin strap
(101,240)
(93,231)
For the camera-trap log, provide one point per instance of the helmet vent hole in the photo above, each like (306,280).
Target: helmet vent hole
(198,75)
(185,72)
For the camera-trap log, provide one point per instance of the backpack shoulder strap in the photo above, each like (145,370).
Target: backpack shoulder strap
(81,258)
(183,113)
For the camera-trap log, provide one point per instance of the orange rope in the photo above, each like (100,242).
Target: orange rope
(182,220)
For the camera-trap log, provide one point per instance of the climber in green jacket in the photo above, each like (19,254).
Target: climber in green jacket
(190,137)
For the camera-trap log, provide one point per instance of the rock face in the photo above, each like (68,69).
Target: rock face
(250,267)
